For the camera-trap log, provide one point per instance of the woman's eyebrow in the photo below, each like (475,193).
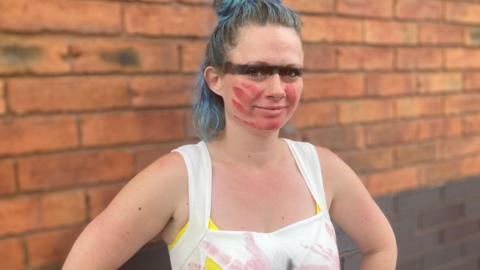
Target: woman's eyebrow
(263,63)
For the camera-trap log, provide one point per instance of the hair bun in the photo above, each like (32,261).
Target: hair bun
(226,7)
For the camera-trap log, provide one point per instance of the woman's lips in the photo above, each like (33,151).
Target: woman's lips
(271,111)
(271,108)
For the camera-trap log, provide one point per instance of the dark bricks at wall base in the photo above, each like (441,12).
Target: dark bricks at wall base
(434,230)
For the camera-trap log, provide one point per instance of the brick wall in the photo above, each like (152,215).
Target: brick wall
(91,91)
(437,228)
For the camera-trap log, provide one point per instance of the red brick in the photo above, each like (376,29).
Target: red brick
(169,20)
(101,55)
(370,8)
(380,32)
(369,58)
(462,103)
(471,124)
(58,15)
(391,84)
(26,213)
(440,82)
(12,254)
(314,115)
(392,181)
(321,86)
(3,105)
(337,138)
(369,160)
(439,128)
(37,134)
(391,133)
(419,58)
(7,176)
(462,58)
(66,170)
(319,57)
(331,29)
(471,166)
(471,81)
(416,153)
(50,248)
(192,56)
(440,172)
(148,154)
(67,94)
(162,91)
(359,111)
(418,106)
(462,12)
(100,198)
(185,1)
(418,9)
(138,127)
(315,6)
(40,55)
(441,34)
(460,147)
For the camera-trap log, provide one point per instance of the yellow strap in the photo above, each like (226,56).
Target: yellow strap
(179,235)
(212,226)
(211,264)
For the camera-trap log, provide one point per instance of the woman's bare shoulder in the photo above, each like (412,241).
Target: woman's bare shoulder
(337,175)
(138,213)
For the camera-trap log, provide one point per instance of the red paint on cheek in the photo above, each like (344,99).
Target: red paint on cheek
(241,94)
(238,106)
(253,90)
(291,94)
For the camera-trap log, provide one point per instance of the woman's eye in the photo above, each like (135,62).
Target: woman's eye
(292,73)
(255,73)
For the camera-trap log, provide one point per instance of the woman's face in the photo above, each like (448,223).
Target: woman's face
(262,79)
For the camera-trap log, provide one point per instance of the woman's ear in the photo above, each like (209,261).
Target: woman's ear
(213,79)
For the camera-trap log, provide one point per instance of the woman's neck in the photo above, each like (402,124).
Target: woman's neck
(245,147)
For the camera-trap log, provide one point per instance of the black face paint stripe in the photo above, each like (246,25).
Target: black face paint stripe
(231,68)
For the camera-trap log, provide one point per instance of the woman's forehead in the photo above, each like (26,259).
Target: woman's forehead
(270,44)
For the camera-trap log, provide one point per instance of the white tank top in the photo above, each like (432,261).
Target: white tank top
(306,244)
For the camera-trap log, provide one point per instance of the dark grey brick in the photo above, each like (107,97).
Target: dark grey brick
(441,215)
(415,264)
(405,227)
(460,230)
(469,187)
(344,242)
(463,264)
(152,256)
(411,202)
(472,207)
(411,247)
(352,262)
(472,246)
(441,256)
(387,204)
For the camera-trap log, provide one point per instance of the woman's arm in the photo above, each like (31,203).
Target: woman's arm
(354,210)
(138,213)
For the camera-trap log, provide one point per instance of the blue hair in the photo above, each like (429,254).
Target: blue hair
(208,109)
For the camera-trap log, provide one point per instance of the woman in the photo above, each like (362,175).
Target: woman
(243,198)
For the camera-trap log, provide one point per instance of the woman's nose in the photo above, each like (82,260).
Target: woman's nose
(275,87)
